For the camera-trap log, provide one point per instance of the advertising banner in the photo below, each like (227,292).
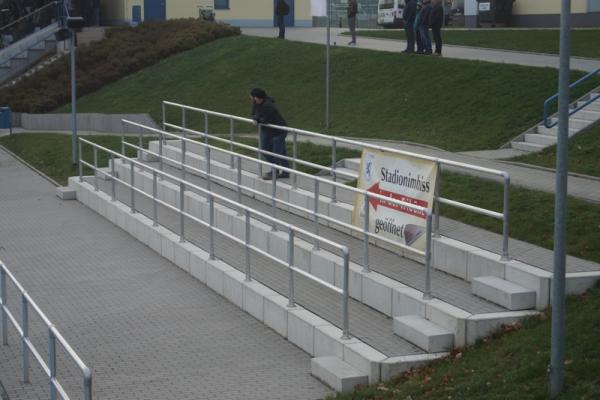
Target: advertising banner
(408,179)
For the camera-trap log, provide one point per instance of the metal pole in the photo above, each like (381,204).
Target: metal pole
(427,293)
(247,242)
(211,221)
(113,189)
(181,216)
(328,66)
(333,174)
(25,324)
(140,147)
(207,168)
(315,213)
(183,151)
(73,102)
(131,182)
(80,164)
(346,316)
(52,362)
(366,234)
(123,140)
(436,202)
(239,182)
(3,299)
(294,157)
(154,203)
(95,151)
(260,155)
(273,195)
(291,302)
(506,219)
(164,115)
(160,152)
(557,351)
(231,137)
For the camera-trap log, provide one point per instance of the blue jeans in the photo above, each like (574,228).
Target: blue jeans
(425,38)
(281,25)
(274,144)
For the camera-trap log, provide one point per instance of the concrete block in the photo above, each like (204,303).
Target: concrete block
(329,342)
(302,198)
(233,287)
(377,291)
(365,359)
(254,298)
(533,278)
(215,271)
(182,255)
(142,229)
(423,333)
(394,366)
(481,325)
(301,328)
(341,212)
(259,234)
(484,263)
(155,240)
(66,193)
(198,259)
(579,282)
(111,212)
(302,254)
(408,301)
(276,314)
(224,218)
(322,265)
(356,281)
(167,249)
(449,317)
(507,294)
(339,375)
(450,259)
(279,245)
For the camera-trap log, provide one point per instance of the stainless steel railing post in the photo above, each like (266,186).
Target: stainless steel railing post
(333,173)
(140,147)
(316,214)
(506,218)
(260,155)
(273,196)
(113,177)
(154,202)
(52,361)
(295,156)
(80,163)
(291,301)
(427,292)
(4,319)
(25,328)
(231,138)
(95,152)
(183,120)
(239,183)
(161,138)
(247,243)
(436,201)
(346,287)
(183,154)
(211,232)
(164,116)
(366,267)
(123,143)
(132,183)
(208,168)
(181,212)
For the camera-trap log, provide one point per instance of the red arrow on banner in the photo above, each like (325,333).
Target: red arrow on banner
(406,199)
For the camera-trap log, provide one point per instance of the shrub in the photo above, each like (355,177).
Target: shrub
(125,50)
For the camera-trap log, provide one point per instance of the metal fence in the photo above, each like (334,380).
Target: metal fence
(27,347)
(22,26)
(333,141)
(211,197)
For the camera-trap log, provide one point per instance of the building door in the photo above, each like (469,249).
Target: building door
(155,10)
(289,19)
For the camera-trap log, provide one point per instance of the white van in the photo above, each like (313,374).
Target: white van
(389,13)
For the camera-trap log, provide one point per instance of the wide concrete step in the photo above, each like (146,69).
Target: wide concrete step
(338,374)
(542,130)
(575,122)
(525,146)
(505,293)
(545,140)
(352,163)
(588,115)
(423,333)
(594,106)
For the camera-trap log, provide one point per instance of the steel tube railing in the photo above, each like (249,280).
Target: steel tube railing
(27,347)
(246,241)
(357,144)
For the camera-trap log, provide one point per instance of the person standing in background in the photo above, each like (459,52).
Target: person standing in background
(410,12)
(424,26)
(352,11)
(281,10)
(436,20)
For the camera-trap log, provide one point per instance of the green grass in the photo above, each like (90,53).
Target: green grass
(584,150)
(453,104)
(508,366)
(537,41)
(532,212)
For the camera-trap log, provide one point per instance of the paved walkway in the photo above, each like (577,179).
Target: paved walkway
(318,35)
(147,329)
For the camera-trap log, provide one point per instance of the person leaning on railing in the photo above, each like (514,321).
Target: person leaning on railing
(271,139)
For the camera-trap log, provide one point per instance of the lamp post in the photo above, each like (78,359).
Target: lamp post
(328,67)
(74,155)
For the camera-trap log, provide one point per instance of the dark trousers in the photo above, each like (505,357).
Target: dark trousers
(410,38)
(437,36)
(281,25)
(425,38)
(419,41)
(274,144)
(352,27)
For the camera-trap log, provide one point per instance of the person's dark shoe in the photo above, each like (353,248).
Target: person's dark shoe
(407,52)
(268,176)
(283,175)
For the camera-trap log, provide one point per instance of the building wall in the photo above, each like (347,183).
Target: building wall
(540,7)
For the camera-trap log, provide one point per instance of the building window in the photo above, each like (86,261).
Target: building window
(221,4)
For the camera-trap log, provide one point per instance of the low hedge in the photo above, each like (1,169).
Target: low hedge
(125,50)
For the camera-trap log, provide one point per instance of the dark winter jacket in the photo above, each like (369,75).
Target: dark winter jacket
(410,12)
(436,18)
(282,8)
(352,8)
(425,15)
(267,113)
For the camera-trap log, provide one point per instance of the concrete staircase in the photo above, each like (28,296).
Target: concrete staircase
(20,56)
(539,137)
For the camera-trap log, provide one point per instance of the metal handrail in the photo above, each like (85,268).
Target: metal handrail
(547,118)
(28,15)
(317,181)
(504,215)
(27,346)
(292,230)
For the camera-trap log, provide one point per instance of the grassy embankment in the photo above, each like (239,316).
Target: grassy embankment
(530,40)
(453,104)
(531,211)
